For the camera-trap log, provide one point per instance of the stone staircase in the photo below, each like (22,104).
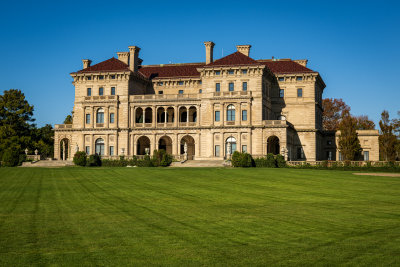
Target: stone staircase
(200,163)
(48,163)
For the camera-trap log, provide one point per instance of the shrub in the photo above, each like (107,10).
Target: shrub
(166,160)
(280,161)
(21,159)
(10,158)
(80,158)
(146,162)
(235,159)
(246,160)
(271,162)
(94,161)
(133,161)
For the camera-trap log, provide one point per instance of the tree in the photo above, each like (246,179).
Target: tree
(333,110)
(364,123)
(387,140)
(15,121)
(349,144)
(68,119)
(44,140)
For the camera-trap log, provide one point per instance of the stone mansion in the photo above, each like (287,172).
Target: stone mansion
(207,110)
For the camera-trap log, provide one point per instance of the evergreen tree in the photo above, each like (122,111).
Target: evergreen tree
(15,121)
(349,144)
(387,140)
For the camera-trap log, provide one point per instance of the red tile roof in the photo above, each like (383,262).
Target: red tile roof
(167,71)
(111,65)
(285,66)
(190,69)
(234,59)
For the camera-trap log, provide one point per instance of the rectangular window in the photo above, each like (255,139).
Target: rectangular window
(180,83)
(101,77)
(100,117)
(112,77)
(244,86)
(180,92)
(159,83)
(89,78)
(87,118)
(244,115)
(299,92)
(200,82)
(244,149)
(281,93)
(230,72)
(217,87)
(200,91)
(299,78)
(300,153)
(244,71)
(366,155)
(281,79)
(217,72)
(231,87)
(89,91)
(217,151)
(111,117)
(112,90)
(111,150)
(87,150)
(101,91)
(217,116)
(160,92)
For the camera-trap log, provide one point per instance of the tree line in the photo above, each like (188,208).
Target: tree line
(337,116)
(18,131)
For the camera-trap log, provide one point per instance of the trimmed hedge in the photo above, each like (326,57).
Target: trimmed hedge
(243,160)
(80,158)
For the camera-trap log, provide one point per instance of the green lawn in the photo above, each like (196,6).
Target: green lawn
(183,216)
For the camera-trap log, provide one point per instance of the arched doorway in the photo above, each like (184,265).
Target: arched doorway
(143,145)
(190,148)
(99,147)
(273,145)
(165,143)
(230,145)
(64,149)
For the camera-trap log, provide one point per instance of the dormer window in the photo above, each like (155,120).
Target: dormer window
(180,83)
(231,72)
(244,71)
(101,77)
(217,72)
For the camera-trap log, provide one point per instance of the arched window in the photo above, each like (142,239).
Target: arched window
(99,147)
(100,116)
(230,145)
(230,114)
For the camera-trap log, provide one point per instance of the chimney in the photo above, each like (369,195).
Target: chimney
(124,57)
(302,62)
(209,52)
(244,49)
(86,63)
(134,58)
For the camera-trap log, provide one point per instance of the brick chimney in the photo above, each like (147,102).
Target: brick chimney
(86,63)
(302,62)
(124,57)
(209,52)
(244,49)
(134,58)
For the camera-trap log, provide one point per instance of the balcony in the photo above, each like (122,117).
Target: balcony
(275,123)
(233,94)
(63,126)
(164,97)
(101,97)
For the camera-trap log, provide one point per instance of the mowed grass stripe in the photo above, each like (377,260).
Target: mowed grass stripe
(140,216)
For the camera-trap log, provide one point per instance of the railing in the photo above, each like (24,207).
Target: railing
(167,96)
(63,126)
(234,93)
(101,97)
(274,122)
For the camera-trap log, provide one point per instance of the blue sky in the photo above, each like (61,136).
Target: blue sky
(355,45)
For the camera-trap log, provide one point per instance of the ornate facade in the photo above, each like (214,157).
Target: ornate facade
(207,109)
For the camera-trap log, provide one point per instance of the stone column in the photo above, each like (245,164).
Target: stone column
(187,116)
(240,114)
(154,124)
(92,118)
(223,114)
(107,117)
(176,116)
(165,115)
(144,115)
